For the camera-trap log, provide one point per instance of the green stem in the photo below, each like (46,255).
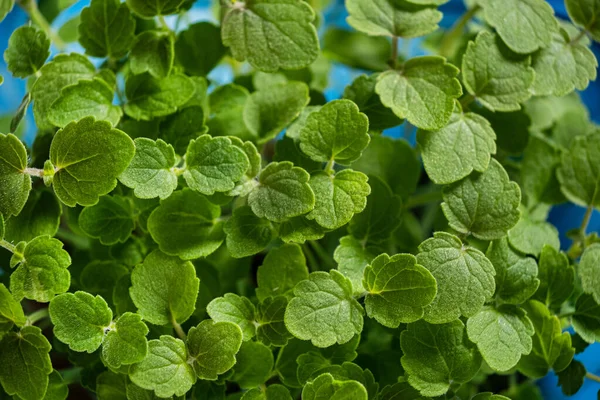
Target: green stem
(394,55)
(329,166)
(71,375)
(163,22)
(178,329)
(593,377)
(31,8)
(312,261)
(577,38)
(423,198)
(565,314)
(34,172)
(448,45)
(36,316)
(586,220)
(467,100)
(8,246)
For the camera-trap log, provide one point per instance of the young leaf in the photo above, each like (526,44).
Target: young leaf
(435,356)
(586,318)
(271,34)
(14,183)
(326,387)
(352,258)
(253,366)
(165,370)
(557,277)
(106,29)
(199,48)
(212,347)
(164,289)
(461,147)
(88,156)
(110,220)
(153,52)
(422,90)
(28,48)
(529,236)
(323,310)
(449,260)
(589,271)
(282,269)
(398,289)
(586,14)
(246,233)
(10,309)
(146,9)
(494,75)
(502,335)
(80,320)
(485,205)
(150,172)
(579,171)
(236,309)
(42,272)
(270,316)
(25,363)
(125,343)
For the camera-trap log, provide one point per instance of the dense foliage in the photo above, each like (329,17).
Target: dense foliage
(161,240)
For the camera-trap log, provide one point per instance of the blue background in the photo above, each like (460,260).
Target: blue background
(564,217)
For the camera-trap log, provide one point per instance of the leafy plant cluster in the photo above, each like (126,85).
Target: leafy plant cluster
(167,245)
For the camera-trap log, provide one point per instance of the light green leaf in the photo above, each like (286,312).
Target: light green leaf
(589,271)
(283,192)
(185,225)
(106,29)
(451,261)
(586,319)
(57,387)
(323,310)
(42,272)
(40,216)
(398,289)
(212,347)
(326,387)
(551,347)
(293,131)
(246,233)
(538,173)
(282,269)
(199,48)
(150,173)
(299,230)
(88,156)
(164,289)
(153,52)
(214,164)
(25,361)
(80,320)
(268,112)
(524,25)
(485,205)
(14,183)
(579,173)
(436,356)
(402,389)
(28,48)
(422,90)
(10,309)
(5,7)
(270,316)
(586,14)
(227,105)
(271,34)
(253,366)
(461,147)
(149,97)
(165,370)
(529,236)
(149,9)
(110,220)
(125,343)
(516,275)
(236,309)
(273,392)
(352,258)
(399,18)
(338,131)
(557,277)
(502,335)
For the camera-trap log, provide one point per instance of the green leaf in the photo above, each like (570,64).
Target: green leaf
(580,171)
(88,156)
(461,147)
(273,392)
(299,230)
(529,236)
(253,366)
(551,347)
(110,220)
(271,34)
(338,131)
(401,390)
(150,172)
(153,52)
(5,7)
(199,48)
(147,9)
(398,289)
(557,277)
(149,97)
(180,128)
(586,14)
(571,379)
(227,105)
(10,309)
(524,25)
(246,233)
(80,320)
(25,363)
(268,112)
(502,335)
(165,370)
(283,192)
(111,385)
(212,348)
(451,261)
(586,318)
(485,205)
(516,275)
(270,316)
(236,309)
(352,258)
(57,387)
(40,216)
(326,387)
(100,277)
(185,225)
(422,90)
(106,29)
(489,396)
(392,18)
(495,76)
(323,310)
(28,48)
(538,173)
(436,356)
(42,272)
(125,343)
(282,269)
(589,271)
(14,183)
(214,164)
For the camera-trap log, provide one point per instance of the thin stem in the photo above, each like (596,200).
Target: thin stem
(467,100)
(163,22)
(37,315)
(448,45)
(577,38)
(394,55)
(565,314)
(593,377)
(423,198)
(34,172)
(178,329)
(329,166)
(312,261)
(586,220)
(31,8)
(8,246)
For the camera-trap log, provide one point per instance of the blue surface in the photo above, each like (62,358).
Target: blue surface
(564,217)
